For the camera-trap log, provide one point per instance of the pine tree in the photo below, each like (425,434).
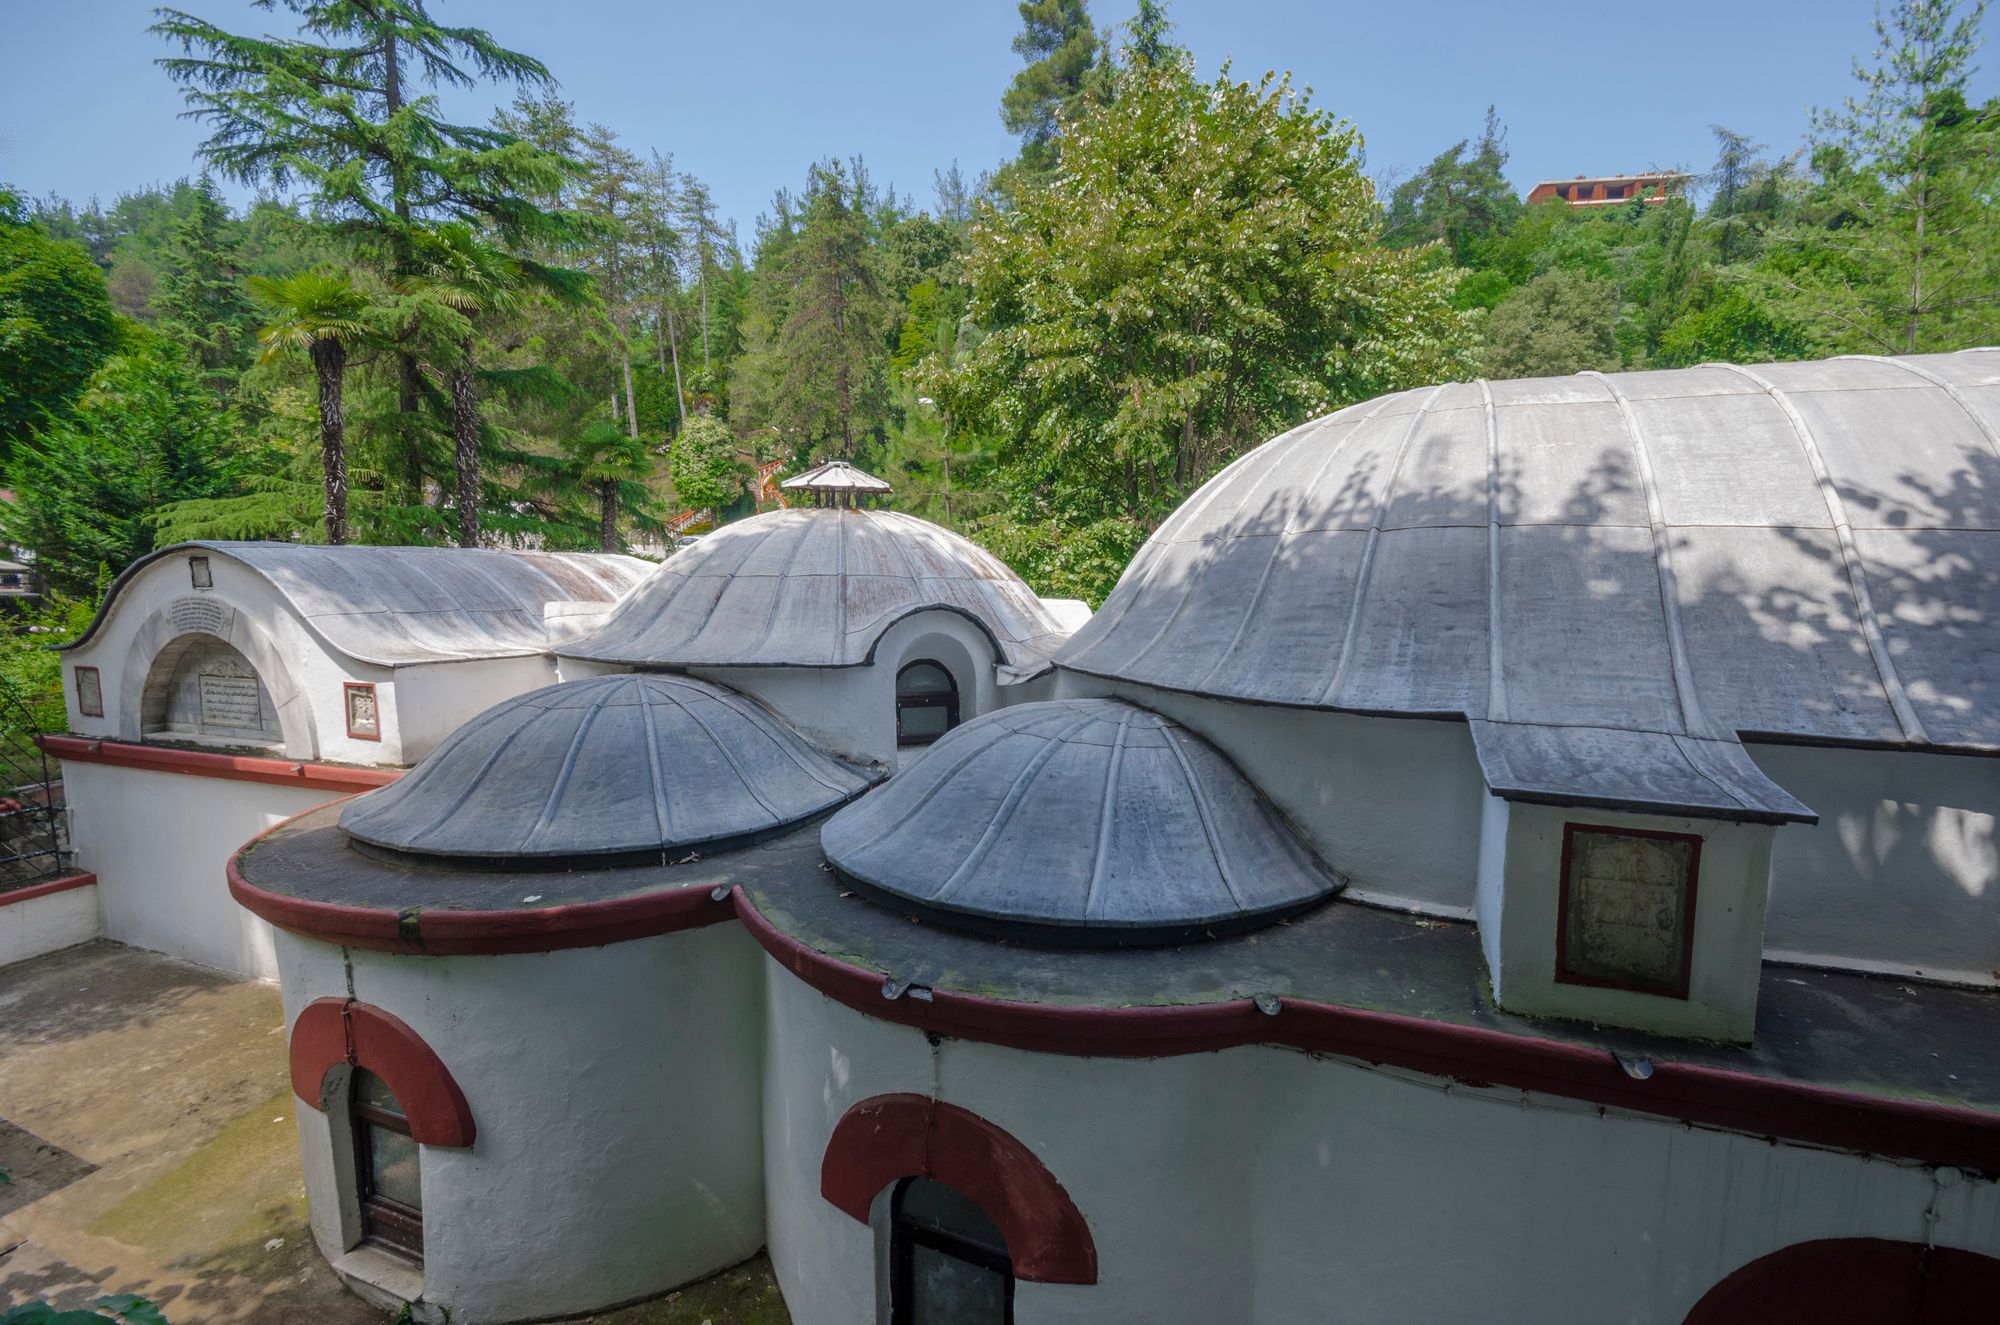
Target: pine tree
(1062,49)
(348,112)
(200,297)
(1909,259)
(831,342)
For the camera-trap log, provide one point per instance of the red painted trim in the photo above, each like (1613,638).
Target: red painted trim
(1706,1096)
(347,689)
(231,768)
(1856,1279)
(1684,978)
(454,933)
(891,1137)
(332,1031)
(87,710)
(61,885)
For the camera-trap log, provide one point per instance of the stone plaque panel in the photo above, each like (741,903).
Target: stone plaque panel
(196,614)
(231,701)
(1627,909)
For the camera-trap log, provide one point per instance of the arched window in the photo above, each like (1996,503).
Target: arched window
(385,1163)
(948,1264)
(926,703)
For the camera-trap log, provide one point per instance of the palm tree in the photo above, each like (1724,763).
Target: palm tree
(471,278)
(608,462)
(320,312)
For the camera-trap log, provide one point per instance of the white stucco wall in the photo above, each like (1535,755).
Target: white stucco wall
(1263,1186)
(305,678)
(853,709)
(434,700)
(615,1092)
(1394,804)
(31,926)
(159,844)
(1728,926)
(1902,872)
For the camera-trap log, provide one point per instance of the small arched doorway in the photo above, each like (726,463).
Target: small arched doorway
(926,702)
(947,1261)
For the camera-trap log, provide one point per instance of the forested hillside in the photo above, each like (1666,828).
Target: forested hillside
(529,330)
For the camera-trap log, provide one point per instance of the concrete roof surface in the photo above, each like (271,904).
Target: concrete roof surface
(610,766)
(815,588)
(1089,821)
(396,606)
(1800,551)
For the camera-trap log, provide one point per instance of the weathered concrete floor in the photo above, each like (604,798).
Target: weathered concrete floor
(147,1122)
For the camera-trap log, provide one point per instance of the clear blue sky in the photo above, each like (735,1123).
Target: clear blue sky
(747,94)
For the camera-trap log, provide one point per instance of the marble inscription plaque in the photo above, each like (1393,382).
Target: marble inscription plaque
(230,701)
(196,614)
(1627,911)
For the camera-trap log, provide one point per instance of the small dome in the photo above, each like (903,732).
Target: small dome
(608,770)
(816,588)
(1091,822)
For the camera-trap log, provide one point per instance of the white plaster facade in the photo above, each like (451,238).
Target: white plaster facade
(160,845)
(1265,1186)
(615,1091)
(33,922)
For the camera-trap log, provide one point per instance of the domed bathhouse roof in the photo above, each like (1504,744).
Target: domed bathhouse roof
(1091,822)
(1613,576)
(616,769)
(815,588)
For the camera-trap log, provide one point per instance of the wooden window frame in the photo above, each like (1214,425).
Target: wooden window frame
(83,709)
(384,1222)
(906,1234)
(1683,980)
(947,701)
(347,689)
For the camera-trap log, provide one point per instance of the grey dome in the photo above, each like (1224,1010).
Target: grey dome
(1615,577)
(815,588)
(1088,821)
(609,769)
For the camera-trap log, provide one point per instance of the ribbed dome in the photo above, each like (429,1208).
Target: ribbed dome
(815,588)
(612,768)
(1614,576)
(1080,822)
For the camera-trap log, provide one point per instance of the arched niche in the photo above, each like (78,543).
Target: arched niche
(951,654)
(168,651)
(202,688)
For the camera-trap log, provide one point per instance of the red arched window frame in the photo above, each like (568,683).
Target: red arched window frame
(887,1138)
(332,1031)
(1873,1279)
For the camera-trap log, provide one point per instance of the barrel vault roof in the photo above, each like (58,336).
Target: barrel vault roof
(396,606)
(1615,577)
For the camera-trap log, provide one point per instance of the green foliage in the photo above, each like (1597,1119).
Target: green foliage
(1456,200)
(1731,326)
(1898,249)
(56,324)
(702,461)
(31,671)
(200,297)
(1062,560)
(127,1307)
(1202,273)
(1060,44)
(1558,323)
(145,433)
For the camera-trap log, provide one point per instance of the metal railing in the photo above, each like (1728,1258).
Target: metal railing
(34,830)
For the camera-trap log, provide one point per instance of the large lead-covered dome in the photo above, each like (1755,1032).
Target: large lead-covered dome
(610,770)
(815,588)
(1614,576)
(1077,821)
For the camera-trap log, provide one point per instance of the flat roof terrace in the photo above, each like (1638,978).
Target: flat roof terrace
(1868,1063)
